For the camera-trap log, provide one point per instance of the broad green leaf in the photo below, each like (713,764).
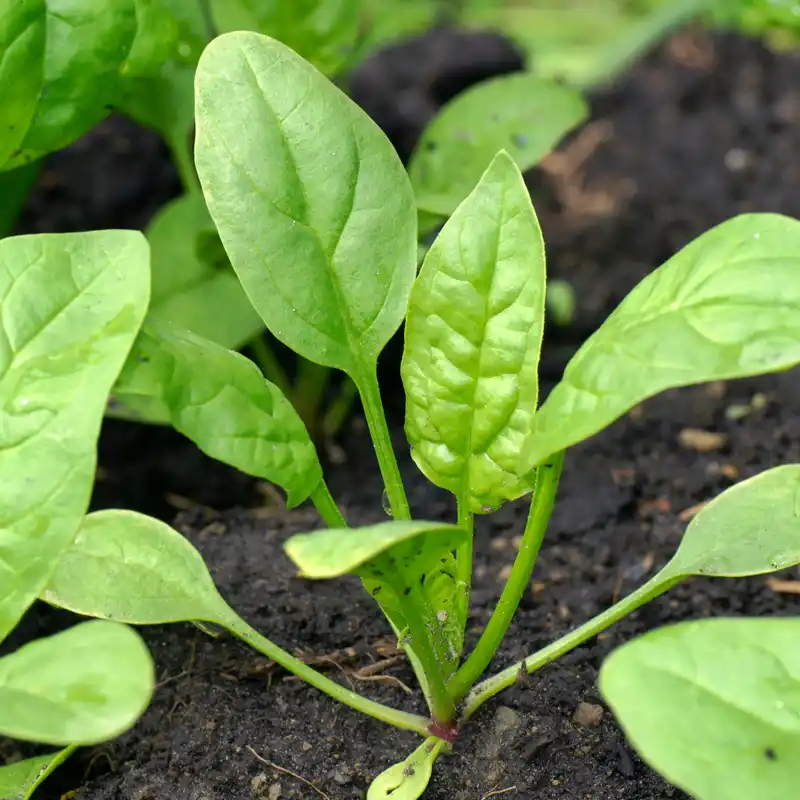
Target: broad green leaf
(189,290)
(71,305)
(22,47)
(408,779)
(18,781)
(521,113)
(86,44)
(129,567)
(473,336)
(82,686)
(220,400)
(312,204)
(156,38)
(324,32)
(700,317)
(713,705)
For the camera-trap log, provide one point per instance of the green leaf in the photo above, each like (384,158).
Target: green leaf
(71,305)
(18,781)
(521,113)
(713,705)
(83,686)
(312,204)
(86,43)
(189,291)
(700,317)
(220,400)
(22,47)
(324,32)
(408,779)
(129,567)
(156,39)
(473,337)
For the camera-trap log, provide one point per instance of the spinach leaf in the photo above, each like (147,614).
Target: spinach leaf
(20,779)
(726,306)
(473,336)
(71,305)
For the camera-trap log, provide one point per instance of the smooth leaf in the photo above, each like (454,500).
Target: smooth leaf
(324,32)
(18,781)
(129,567)
(521,113)
(713,705)
(700,317)
(408,779)
(86,44)
(71,305)
(473,337)
(312,204)
(82,686)
(190,291)
(220,400)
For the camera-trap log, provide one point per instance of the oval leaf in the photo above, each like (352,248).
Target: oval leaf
(312,203)
(129,567)
(521,113)
(473,337)
(713,705)
(700,317)
(408,779)
(82,686)
(220,400)
(71,306)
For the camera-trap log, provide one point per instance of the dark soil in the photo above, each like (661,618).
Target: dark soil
(704,129)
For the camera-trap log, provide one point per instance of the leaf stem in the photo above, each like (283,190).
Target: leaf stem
(466,521)
(308,392)
(270,366)
(399,719)
(487,689)
(367,382)
(184,163)
(338,410)
(547,479)
(326,506)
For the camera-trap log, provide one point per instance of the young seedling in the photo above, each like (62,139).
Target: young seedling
(318,218)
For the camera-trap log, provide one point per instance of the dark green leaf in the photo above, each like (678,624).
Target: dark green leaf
(473,336)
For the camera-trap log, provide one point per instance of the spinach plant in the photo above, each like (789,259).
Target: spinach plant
(713,704)
(71,306)
(319,219)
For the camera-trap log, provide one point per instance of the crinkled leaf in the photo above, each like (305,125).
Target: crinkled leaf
(324,32)
(129,567)
(312,204)
(521,113)
(473,337)
(726,306)
(18,781)
(189,289)
(220,400)
(713,705)
(71,305)
(408,779)
(82,686)
(86,44)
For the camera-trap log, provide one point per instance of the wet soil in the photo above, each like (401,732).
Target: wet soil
(703,129)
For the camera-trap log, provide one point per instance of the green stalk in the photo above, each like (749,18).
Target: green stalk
(270,366)
(547,479)
(184,163)
(487,689)
(309,389)
(464,553)
(367,383)
(326,506)
(339,409)
(399,719)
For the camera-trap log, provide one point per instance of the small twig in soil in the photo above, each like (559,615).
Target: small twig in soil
(783,586)
(497,792)
(288,772)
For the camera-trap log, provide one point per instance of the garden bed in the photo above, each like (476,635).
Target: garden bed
(702,130)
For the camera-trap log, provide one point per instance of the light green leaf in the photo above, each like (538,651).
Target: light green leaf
(713,705)
(324,32)
(220,400)
(312,204)
(700,317)
(189,290)
(521,113)
(22,47)
(18,781)
(129,567)
(71,305)
(82,686)
(86,44)
(408,779)
(473,337)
